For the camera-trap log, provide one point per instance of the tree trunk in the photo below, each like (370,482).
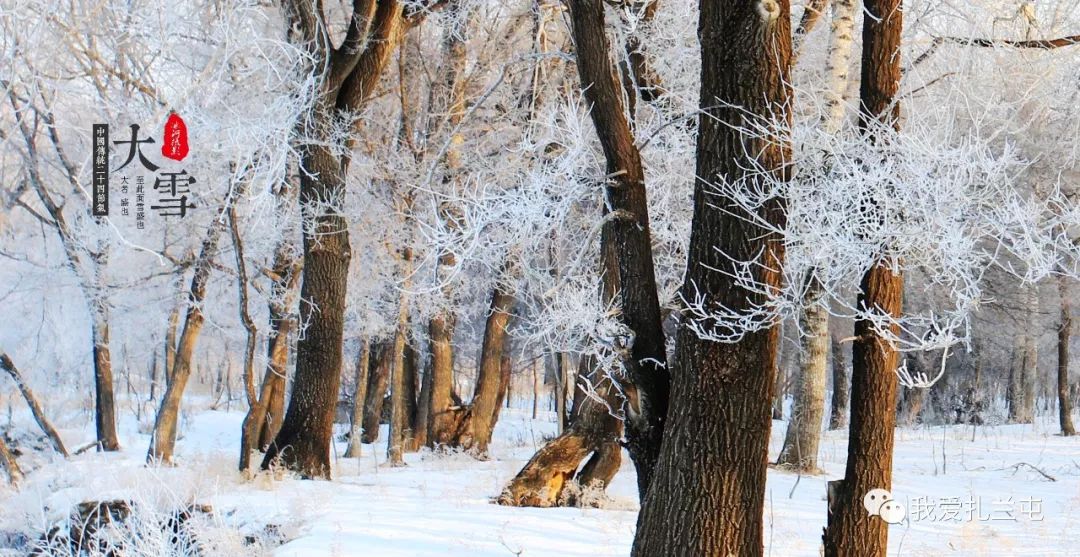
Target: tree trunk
(163,441)
(440,418)
(1064,331)
(170,338)
(562,365)
(351,72)
(363,366)
(399,376)
(505,367)
(105,402)
(10,465)
(35,407)
(850,530)
(626,235)
(378,380)
(542,481)
(707,492)
(412,393)
(1030,369)
(838,414)
(804,428)
(482,411)
(421,425)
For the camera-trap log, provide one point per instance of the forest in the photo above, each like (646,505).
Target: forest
(656,278)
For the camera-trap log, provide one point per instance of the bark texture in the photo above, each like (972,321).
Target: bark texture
(626,235)
(378,380)
(850,531)
(803,434)
(707,494)
(350,74)
(485,398)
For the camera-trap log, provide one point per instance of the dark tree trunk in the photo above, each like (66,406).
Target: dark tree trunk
(349,77)
(838,414)
(35,407)
(505,367)
(423,413)
(1064,331)
(378,381)
(104,399)
(707,493)
(626,234)
(850,530)
(482,409)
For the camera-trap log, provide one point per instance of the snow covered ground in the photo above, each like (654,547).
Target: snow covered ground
(964,491)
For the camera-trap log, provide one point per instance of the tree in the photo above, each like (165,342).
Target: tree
(850,530)
(707,493)
(350,72)
(1064,332)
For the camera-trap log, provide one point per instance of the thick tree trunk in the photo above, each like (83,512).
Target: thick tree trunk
(626,235)
(1030,367)
(482,409)
(838,412)
(378,380)
(363,367)
(351,72)
(562,380)
(850,531)
(1064,332)
(35,407)
(421,425)
(707,493)
(303,442)
(804,428)
(505,368)
(440,418)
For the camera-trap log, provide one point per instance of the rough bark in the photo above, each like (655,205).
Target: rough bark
(440,419)
(104,396)
(850,530)
(707,493)
(803,434)
(421,427)
(839,407)
(35,406)
(626,233)
(505,368)
(351,72)
(378,380)
(482,408)
(360,378)
(1064,332)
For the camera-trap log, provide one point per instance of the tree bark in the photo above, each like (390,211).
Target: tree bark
(482,411)
(378,380)
(707,493)
(803,434)
(1064,332)
(543,480)
(399,375)
(363,367)
(35,406)
(350,74)
(850,530)
(440,418)
(839,407)
(626,234)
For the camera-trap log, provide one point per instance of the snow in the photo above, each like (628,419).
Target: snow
(440,503)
